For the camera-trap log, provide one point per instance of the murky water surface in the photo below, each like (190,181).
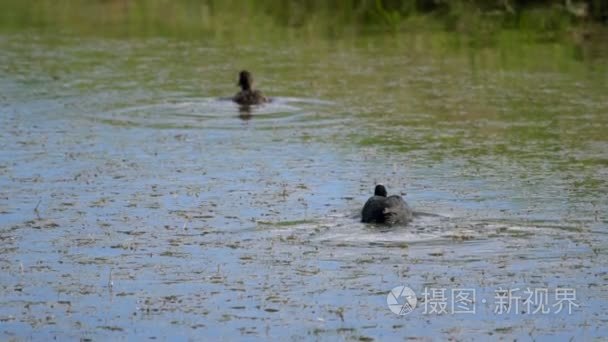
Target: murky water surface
(135,203)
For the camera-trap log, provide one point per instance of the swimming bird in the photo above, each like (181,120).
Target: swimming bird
(390,210)
(248,96)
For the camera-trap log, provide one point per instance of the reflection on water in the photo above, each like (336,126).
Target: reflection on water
(245,112)
(116,157)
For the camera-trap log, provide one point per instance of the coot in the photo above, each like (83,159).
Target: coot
(248,96)
(389,210)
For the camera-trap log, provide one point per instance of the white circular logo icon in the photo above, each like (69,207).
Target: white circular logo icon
(401,300)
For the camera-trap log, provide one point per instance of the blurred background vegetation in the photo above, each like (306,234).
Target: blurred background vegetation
(552,18)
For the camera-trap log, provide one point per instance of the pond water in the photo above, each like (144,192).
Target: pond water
(135,203)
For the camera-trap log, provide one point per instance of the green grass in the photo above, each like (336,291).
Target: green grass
(193,19)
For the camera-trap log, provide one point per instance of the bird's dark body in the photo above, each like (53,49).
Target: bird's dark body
(389,210)
(248,96)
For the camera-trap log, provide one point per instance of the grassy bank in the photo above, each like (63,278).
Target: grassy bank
(328,18)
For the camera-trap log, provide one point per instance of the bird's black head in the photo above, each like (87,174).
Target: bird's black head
(380,190)
(245,80)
